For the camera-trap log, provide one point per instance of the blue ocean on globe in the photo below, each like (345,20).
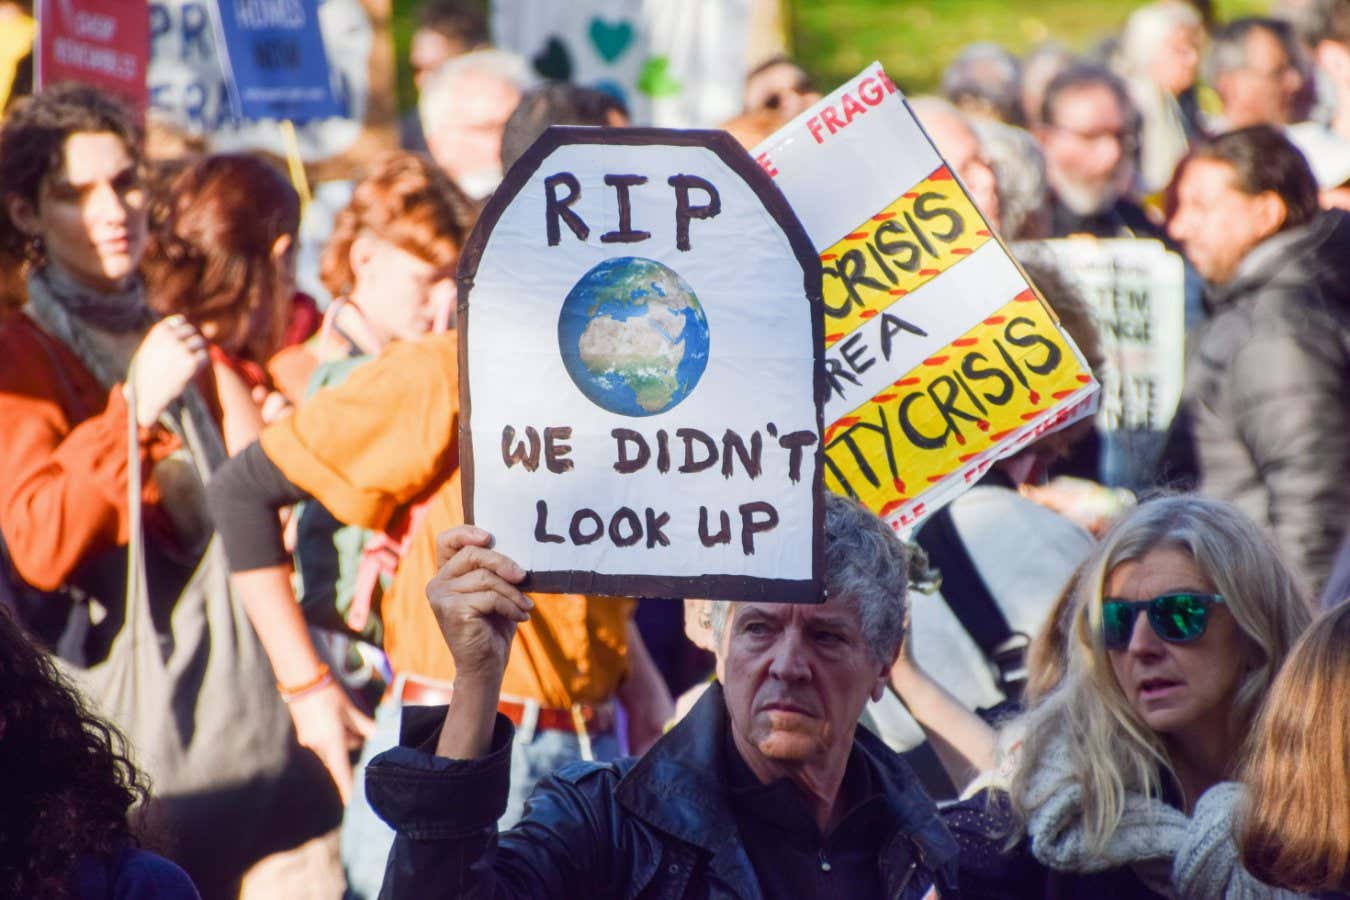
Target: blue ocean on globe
(633,336)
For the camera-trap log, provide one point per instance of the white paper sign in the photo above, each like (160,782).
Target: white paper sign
(941,357)
(1136,290)
(641,371)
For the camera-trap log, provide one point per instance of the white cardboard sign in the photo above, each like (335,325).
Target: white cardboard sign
(941,357)
(641,371)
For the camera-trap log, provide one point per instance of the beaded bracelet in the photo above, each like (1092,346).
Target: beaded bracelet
(319,681)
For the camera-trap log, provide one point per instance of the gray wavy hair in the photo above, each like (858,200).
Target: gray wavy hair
(440,102)
(1148,27)
(866,569)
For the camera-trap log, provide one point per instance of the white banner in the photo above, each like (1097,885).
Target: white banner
(642,372)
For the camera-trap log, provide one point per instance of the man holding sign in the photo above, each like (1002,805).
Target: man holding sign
(766,788)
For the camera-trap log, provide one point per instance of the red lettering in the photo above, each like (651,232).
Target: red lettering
(831,119)
(766,164)
(870,91)
(813,126)
(886,81)
(913,515)
(852,108)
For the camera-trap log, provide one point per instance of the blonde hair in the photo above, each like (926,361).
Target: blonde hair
(1111,751)
(1048,652)
(1296,833)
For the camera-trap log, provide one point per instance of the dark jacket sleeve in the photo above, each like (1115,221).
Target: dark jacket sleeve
(445,814)
(244,496)
(1292,415)
(993,866)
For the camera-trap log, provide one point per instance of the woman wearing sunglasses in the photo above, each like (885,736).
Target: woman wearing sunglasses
(1184,615)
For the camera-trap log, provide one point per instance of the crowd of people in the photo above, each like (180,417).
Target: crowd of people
(250,649)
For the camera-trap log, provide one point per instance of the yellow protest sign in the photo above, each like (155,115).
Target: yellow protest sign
(922,234)
(955,406)
(941,357)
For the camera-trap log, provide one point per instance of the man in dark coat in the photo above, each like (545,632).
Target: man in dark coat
(766,789)
(1267,394)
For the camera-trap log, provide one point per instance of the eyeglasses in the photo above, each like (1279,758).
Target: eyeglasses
(1176,618)
(1125,139)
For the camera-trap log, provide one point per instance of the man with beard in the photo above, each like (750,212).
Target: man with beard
(1090,132)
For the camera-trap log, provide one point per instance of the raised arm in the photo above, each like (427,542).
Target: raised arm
(962,741)
(478,607)
(443,790)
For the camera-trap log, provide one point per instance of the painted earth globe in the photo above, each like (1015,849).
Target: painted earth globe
(633,336)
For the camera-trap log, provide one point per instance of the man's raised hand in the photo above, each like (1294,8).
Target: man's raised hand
(478,608)
(476,603)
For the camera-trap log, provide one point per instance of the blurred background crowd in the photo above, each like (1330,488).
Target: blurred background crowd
(219,492)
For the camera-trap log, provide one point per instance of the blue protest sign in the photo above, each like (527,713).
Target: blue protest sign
(274,58)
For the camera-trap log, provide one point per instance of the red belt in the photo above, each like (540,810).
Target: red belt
(598,719)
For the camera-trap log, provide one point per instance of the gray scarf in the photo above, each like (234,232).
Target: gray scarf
(1146,839)
(74,315)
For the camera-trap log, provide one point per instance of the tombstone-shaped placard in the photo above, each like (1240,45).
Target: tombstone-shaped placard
(641,371)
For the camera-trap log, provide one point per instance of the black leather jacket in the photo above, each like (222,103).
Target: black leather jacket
(658,826)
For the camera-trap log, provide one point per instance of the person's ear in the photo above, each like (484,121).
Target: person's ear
(23,215)
(1269,212)
(883,679)
(360,254)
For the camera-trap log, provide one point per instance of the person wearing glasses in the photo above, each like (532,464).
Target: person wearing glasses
(1184,614)
(1089,131)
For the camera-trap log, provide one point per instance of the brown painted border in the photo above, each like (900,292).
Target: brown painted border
(730,587)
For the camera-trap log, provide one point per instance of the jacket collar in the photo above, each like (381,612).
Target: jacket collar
(1269,260)
(680,786)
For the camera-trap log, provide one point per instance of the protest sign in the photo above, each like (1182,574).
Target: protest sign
(190,90)
(275,64)
(672,64)
(1136,290)
(641,371)
(941,356)
(104,43)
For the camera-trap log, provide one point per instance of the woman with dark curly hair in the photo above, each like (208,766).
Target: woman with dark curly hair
(68,787)
(111,429)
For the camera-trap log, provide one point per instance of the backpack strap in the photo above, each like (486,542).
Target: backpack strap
(380,557)
(973,604)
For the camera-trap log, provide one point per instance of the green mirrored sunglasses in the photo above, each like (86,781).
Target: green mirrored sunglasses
(1177,618)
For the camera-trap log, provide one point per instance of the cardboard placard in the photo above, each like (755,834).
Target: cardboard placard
(275,63)
(941,356)
(641,373)
(104,43)
(190,89)
(1137,292)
